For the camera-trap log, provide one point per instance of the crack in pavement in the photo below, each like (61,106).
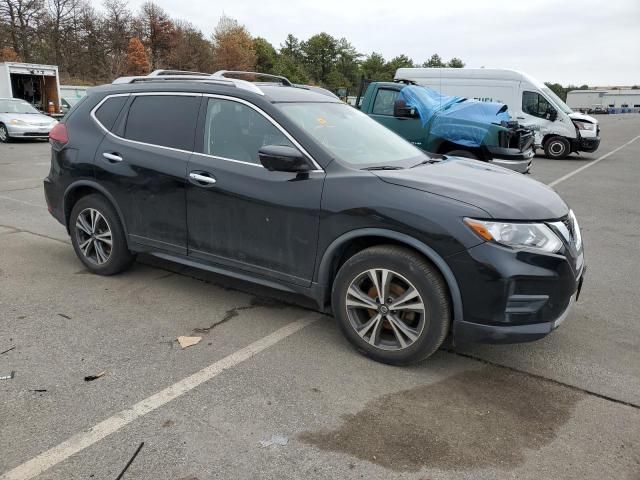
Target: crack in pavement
(542,377)
(255,302)
(20,189)
(41,235)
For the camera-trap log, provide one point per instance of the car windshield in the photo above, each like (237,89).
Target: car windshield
(557,100)
(16,106)
(351,136)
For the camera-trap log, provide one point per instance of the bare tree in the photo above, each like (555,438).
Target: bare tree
(22,17)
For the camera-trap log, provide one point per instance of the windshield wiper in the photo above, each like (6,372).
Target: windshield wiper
(383,167)
(428,161)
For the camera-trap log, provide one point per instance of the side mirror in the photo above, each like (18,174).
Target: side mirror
(280,158)
(552,114)
(401,110)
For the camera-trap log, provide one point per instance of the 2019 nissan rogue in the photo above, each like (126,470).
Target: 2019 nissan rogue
(283,186)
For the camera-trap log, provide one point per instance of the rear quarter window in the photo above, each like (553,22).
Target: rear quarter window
(164,120)
(108,112)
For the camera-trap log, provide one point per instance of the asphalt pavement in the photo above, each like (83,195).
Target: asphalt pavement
(270,370)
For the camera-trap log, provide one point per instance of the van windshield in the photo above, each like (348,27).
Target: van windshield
(556,100)
(351,136)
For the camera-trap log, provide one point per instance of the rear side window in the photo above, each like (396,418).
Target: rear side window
(165,120)
(383,104)
(108,111)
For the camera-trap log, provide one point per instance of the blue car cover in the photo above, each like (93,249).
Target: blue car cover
(441,114)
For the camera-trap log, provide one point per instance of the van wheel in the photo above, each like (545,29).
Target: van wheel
(98,237)
(557,148)
(462,153)
(391,304)
(4,134)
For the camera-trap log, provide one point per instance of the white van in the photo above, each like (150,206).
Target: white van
(558,129)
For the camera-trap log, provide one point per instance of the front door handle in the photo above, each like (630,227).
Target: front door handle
(200,178)
(112,157)
(520,118)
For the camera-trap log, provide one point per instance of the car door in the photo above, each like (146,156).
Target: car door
(410,129)
(241,215)
(536,114)
(142,162)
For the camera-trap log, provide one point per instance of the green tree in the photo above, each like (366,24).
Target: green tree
(434,62)
(291,48)
(290,68)
(401,61)
(559,90)
(347,63)
(266,55)
(455,62)
(320,55)
(374,67)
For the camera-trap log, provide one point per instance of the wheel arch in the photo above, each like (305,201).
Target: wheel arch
(339,250)
(82,188)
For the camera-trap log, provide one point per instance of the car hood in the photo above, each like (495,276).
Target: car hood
(583,117)
(501,193)
(31,118)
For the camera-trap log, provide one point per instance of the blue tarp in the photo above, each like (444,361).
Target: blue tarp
(443,114)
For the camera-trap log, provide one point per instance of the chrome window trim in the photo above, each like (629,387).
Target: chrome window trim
(317,167)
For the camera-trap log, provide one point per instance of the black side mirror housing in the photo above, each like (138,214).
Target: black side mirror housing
(281,158)
(552,114)
(401,110)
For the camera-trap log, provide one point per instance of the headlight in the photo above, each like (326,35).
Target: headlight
(17,121)
(576,230)
(584,125)
(516,235)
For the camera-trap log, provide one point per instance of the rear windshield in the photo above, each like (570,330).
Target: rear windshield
(350,135)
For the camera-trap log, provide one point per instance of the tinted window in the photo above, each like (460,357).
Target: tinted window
(535,104)
(383,104)
(236,131)
(109,111)
(165,120)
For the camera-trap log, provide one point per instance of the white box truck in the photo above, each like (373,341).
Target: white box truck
(558,129)
(36,83)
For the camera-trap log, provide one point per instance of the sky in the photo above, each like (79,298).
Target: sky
(565,41)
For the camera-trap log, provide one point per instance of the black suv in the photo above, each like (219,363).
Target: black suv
(284,186)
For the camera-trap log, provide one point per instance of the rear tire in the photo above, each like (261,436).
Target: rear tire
(557,148)
(409,324)
(98,237)
(4,134)
(462,153)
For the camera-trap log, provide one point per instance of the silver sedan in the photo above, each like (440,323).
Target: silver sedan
(19,119)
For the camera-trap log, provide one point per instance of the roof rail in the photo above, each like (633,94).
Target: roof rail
(168,75)
(161,73)
(223,74)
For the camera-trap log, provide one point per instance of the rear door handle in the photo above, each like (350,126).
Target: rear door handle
(520,118)
(112,157)
(202,178)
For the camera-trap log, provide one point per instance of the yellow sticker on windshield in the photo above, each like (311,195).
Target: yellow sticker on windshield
(321,121)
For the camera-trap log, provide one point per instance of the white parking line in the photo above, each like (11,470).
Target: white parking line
(82,440)
(590,164)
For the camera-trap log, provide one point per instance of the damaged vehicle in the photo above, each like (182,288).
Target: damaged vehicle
(450,125)
(293,189)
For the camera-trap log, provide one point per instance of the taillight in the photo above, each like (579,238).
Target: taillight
(59,134)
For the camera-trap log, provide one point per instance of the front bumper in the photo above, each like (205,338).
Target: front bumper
(511,296)
(512,158)
(587,144)
(29,131)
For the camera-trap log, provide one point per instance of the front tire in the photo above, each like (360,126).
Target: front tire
(557,148)
(391,304)
(4,134)
(98,237)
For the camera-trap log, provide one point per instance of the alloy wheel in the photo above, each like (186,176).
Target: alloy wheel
(385,309)
(94,236)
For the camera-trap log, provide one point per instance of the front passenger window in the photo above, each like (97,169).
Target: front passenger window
(235,131)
